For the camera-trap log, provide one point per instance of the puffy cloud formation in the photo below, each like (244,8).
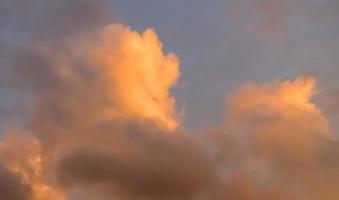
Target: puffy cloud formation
(280,114)
(81,143)
(287,139)
(84,86)
(101,124)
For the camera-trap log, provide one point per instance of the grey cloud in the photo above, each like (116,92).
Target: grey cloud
(11,187)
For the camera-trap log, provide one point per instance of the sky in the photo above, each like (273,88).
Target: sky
(169,99)
(224,43)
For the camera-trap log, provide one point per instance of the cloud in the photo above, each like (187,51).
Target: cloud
(11,188)
(84,85)
(101,121)
(144,163)
(275,143)
(284,139)
(280,114)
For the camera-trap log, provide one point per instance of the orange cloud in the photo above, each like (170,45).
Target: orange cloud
(114,74)
(22,155)
(280,115)
(102,115)
(138,72)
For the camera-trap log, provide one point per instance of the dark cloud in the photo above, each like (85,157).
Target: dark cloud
(144,163)
(11,187)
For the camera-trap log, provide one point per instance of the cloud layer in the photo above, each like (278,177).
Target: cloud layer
(100,123)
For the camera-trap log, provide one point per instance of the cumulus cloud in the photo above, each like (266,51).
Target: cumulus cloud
(86,84)
(285,138)
(101,122)
(280,114)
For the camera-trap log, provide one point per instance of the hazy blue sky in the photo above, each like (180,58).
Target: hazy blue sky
(224,43)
